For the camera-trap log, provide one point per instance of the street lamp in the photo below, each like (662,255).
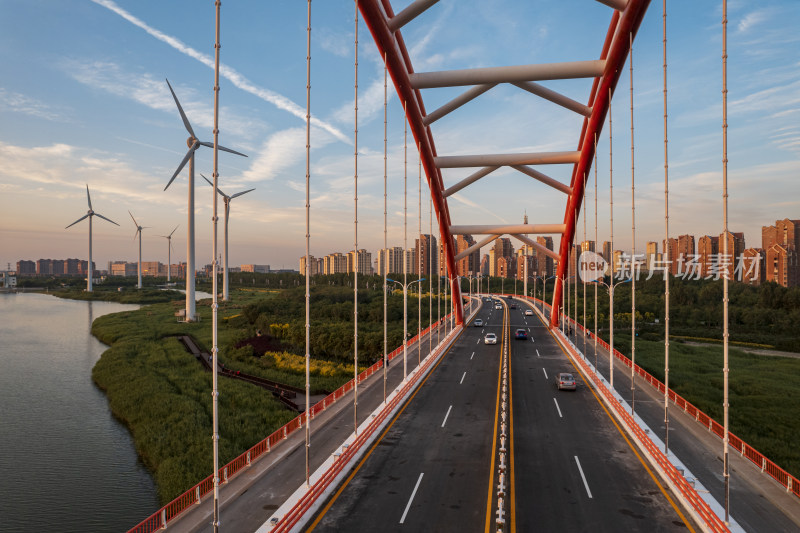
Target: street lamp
(405,320)
(610,286)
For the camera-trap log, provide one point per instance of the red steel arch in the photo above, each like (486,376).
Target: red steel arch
(385,27)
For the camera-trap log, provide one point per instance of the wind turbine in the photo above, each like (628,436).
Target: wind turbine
(169,252)
(138,232)
(193,143)
(227,199)
(89,214)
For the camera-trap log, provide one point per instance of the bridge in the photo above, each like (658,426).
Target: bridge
(475,436)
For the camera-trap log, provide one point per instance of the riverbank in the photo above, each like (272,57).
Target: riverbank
(127,296)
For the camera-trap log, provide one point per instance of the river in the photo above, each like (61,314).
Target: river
(67,464)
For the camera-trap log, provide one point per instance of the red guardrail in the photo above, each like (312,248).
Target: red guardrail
(702,508)
(163,516)
(295,514)
(788,481)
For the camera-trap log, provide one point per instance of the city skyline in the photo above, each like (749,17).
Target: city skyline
(101,113)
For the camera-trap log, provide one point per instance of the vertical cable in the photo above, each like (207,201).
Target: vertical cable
(667,258)
(308,245)
(355,236)
(214,303)
(613,266)
(419,265)
(584,281)
(725,250)
(385,225)
(633,247)
(430,275)
(595,246)
(405,242)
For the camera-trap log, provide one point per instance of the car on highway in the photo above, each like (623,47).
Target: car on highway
(513,306)
(490,338)
(521,334)
(498,306)
(565,381)
(477,323)
(529,312)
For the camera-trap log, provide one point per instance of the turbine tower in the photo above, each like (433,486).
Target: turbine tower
(139,233)
(169,252)
(89,214)
(227,199)
(193,143)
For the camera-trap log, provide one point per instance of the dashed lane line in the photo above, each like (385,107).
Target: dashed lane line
(448,413)
(585,484)
(411,499)
(557,408)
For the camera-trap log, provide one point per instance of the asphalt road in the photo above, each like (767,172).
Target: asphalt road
(430,469)
(757,503)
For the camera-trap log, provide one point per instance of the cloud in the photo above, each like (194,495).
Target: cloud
(750,20)
(236,78)
(20,103)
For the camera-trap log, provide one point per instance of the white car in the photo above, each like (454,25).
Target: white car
(529,312)
(498,306)
(477,323)
(490,338)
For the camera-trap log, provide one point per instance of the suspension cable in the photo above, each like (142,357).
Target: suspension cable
(355,234)
(215,303)
(308,245)
(405,242)
(385,251)
(611,281)
(633,246)
(595,246)
(725,250)
(430,274)
(667,258)
(419,265)
(584,244)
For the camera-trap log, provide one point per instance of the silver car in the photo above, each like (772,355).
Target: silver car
(490,338)
(565,381)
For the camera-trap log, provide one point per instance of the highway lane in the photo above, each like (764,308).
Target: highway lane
(757,503)
(429,471)
(574,470)
(251,497)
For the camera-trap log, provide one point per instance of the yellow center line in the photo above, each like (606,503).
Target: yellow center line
(624,436)
(489,498)
(512,507)
(379,439)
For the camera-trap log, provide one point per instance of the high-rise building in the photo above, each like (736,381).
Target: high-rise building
(426,253)
(736,247)
(587,246)
(751,269)
(361,260)
(26,268)
(686,248)
(526,254)
(785,232)
(670,254)
(782,265)
(469,265)
(707,250)
(312,263)
(316,267)
(123,268)
(392,258)
(651,253)
(485,264)
(544,263)
(410,261)
(335,263)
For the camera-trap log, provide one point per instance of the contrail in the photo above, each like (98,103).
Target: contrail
(279,101)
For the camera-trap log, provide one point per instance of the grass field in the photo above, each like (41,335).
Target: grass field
(763,392)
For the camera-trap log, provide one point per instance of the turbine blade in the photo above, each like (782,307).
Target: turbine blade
(88,197)
(219,191)
(183,164)
(211,145)
(104,218)
(241,193)
(180,110)
(134,220)
(173,231)
(84,216)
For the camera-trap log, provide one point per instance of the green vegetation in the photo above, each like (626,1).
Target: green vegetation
(144,296)
(767,315)
(764,405)
(163,394)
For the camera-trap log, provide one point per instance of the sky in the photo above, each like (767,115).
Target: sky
(83,100)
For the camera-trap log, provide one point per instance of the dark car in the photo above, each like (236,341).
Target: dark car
(521,334)
(565,381)
(513,306)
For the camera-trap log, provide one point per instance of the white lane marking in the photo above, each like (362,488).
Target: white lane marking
(462,378)
(403,518)
(471,356)
(448,411)
(558,408)
(529,330)
(545,373)
(533,340)
(585,484)
(537,352)
(478,341)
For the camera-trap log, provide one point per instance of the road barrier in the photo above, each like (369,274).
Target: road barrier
(194,495)
(786,480)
